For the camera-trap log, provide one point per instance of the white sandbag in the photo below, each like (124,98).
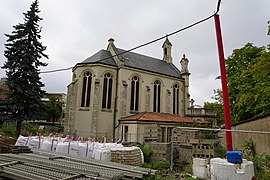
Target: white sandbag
(96,146)
(73,148)
(110,145)
(46,145)
(34,142)
(105,155)
(97,153)
(90,150)
(142,156)
(82,149)
(54,144)
(63,147)
(49,144)
(21,141)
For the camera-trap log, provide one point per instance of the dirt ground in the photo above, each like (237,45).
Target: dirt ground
(6,140)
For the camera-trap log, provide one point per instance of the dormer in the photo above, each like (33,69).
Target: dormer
(167,51)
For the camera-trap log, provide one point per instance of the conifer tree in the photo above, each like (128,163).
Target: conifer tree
(23,52)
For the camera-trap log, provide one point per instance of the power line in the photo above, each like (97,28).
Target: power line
(147,43)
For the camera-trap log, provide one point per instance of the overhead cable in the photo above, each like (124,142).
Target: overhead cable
(147,43)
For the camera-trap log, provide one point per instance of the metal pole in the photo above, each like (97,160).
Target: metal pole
(224,84)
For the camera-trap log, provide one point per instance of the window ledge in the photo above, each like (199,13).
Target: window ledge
(84,109)
(134,112)
(106,110)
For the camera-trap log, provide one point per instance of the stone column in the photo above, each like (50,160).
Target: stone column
(123,97)
(147,99)
(96,93)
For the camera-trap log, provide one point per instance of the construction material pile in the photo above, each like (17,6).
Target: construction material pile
(84,148)
(15,149)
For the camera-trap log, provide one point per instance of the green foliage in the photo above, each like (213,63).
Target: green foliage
(218,109)
(53,109)
(248,71)
(9,129)
(261,166)
(5,110)
(188,169)
(29,128)
(221,151)
(23,51)
(160,165)
(147,152)
(249,148)
(157,165)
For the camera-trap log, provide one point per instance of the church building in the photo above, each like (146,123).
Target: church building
(114,84)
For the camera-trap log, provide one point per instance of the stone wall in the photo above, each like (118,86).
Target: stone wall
(262,141)
(160,151)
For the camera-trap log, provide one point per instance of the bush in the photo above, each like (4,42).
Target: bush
(147,152)
(9,129)
(261,166)
(221,152)
(160,165)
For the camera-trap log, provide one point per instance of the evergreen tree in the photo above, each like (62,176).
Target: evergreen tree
(23,51)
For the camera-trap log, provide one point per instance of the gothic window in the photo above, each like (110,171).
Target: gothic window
(176,99)
(135,89)
(107,91)
(86,89)
(156,104)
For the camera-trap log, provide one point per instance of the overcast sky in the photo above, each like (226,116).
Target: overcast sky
(73,30)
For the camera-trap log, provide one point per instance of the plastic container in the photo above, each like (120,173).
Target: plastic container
(234,157)
(200,168)
(221,169)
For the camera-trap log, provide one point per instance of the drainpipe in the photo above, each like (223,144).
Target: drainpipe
(115,103)
(171,165)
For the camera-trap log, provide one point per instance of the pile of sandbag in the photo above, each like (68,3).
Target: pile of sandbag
(79,147)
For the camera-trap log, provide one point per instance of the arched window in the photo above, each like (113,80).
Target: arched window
(156,104)
(107,91)
(176,99)
(135,90)
(86,89)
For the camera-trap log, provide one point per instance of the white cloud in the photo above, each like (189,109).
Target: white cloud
(74,30)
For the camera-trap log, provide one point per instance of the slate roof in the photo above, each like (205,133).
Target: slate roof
(160,117)
(137,61)
(102,56)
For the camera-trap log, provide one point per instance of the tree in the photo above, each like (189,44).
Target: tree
(54,109)
(5,110)
(23,51)
(248,72)
(248,80)
(217,106)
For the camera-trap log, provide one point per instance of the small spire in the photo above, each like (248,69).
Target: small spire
(167,48)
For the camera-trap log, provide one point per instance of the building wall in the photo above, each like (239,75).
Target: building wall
(95,121)
(262,141)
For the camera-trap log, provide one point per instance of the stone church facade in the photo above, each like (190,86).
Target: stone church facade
(114,83)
